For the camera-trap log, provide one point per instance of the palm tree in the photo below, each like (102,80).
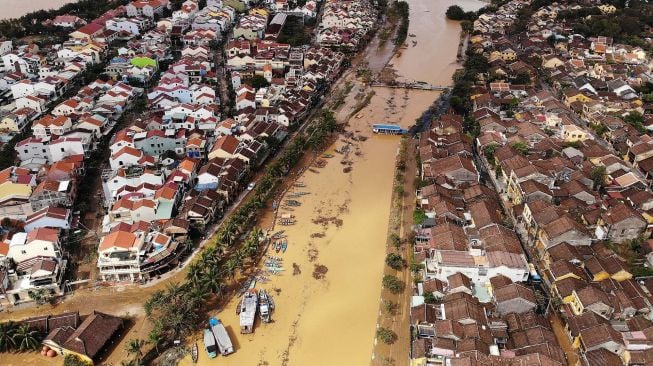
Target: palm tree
(212,281)
(26,338)
(231,266)
(155,337)
(135,347)
(7,331)
(129,363)
(194,273)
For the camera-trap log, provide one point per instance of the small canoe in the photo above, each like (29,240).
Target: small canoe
(284,246)
(195,353)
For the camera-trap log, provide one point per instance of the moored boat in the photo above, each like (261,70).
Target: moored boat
(264,307)
(209,344)
(248,307)
(194,353)
(222,338)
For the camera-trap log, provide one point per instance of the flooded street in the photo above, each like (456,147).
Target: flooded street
(328,296)
(18,8)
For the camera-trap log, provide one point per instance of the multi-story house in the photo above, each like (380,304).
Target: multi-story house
(53,193)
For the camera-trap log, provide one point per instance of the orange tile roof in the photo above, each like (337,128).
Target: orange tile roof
(44,234)
(119,239)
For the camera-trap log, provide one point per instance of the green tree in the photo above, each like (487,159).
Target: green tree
(522,78)
(598,175)
(636,120)
(73,360)
(390,307)
(27,338)
(154,337)
(455,12)
(386,335)
(488,151)
(394,261)
(429,298)
(395,240)
(39,296)
(135,347)
(393,284)
(419,216)
(520,147)
(258,81)
(7,331)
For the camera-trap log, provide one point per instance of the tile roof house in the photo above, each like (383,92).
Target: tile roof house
(514,298)
(619,223)
(602,336)
(87,341)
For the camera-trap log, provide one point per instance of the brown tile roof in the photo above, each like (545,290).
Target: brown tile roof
(600,334)
(448,236)
(568,285)
(514,291)
(589,319)
(499,281)
(499,238)
(93,334)
(564,251)
(590,295)
(459,279)
(561,226)
(484,213)
(562,268)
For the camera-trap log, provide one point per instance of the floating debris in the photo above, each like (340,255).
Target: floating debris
(320,271)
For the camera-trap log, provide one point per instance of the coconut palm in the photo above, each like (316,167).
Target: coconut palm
(135,347)
(155,337)
(231,266)
(26,338)
(194,273)
(7,331)
(212,281)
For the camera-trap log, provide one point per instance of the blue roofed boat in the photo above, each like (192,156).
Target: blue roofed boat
(387,129)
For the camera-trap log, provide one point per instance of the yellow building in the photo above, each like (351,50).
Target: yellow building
(259,11)
(573,133)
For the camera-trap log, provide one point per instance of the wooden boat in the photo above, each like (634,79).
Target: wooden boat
(221,337)
(284,246)
(286,222)
(248,311)
(209,344)
(194,352)
(264,308)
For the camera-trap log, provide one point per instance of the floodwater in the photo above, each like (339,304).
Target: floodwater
(18,8)
(342,224)
(430,55)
